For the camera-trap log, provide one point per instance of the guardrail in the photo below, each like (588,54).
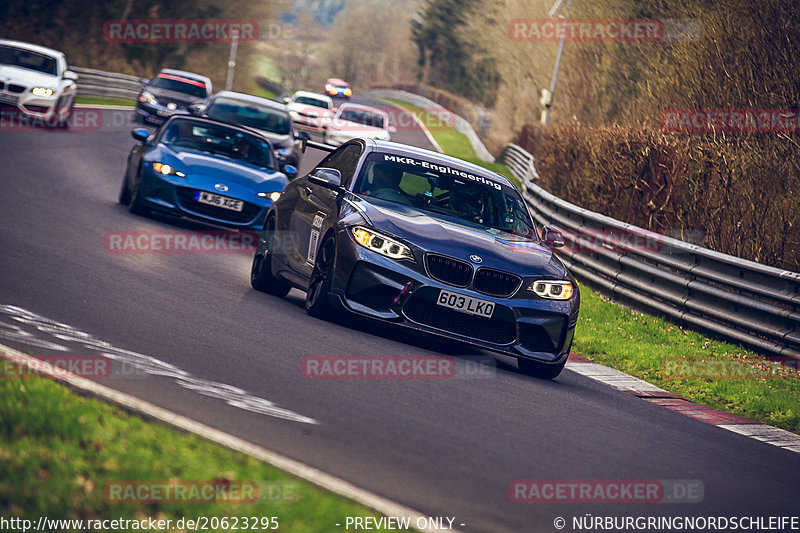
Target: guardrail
(519,162)
(445,115)
(736,299)
(100,83)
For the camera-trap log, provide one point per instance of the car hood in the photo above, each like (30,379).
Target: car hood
(195,163)
(278,140)
(354,127)
(27,77)
(310,110)
(435,234)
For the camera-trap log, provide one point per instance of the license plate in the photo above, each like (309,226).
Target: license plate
(220,201)
(465,304)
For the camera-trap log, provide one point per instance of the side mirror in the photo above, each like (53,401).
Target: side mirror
(195,109)
(330,178)
(392,129)
(140,134)
(285,100)
(144,81)
(69,75)
(302,135)
(552,238)
(290,171)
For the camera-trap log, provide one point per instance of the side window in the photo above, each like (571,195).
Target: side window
(345,160)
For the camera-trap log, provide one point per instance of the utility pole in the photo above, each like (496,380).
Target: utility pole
(232,59)
(547,95)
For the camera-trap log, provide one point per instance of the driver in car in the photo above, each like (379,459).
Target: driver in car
(385,182)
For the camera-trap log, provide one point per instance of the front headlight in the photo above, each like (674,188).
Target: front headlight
(167,170)
(42,91)
(552,289)
(380,243)
(271,195)
(148,98)
(283,152)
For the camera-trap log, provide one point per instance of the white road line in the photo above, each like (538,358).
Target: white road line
(300,470)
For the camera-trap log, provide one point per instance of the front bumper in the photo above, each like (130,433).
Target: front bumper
(176,198)
(28,105)
(156,114)
(372,285)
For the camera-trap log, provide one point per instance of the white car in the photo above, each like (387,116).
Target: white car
(310,110)
(356,120)
(35,81)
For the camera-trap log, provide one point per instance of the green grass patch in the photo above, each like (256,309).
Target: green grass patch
(59,450)
(453,142)
(103,100)
(265,93)
(641,345)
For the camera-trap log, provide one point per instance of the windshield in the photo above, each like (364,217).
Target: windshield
(307,100)
(360,116)
(219,140)
(447,191)
(19,57)
(250,114)
(180,85)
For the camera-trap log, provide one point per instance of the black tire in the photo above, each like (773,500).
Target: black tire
(125,191)
(261,277)
(540,370)
(318,301)
(136,206)
(64,123)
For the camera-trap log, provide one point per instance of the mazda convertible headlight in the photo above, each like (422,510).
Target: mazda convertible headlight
(271,195)
(167,170)
(149,98)
(552,289)
(382,244)
(283,153)
(42,91)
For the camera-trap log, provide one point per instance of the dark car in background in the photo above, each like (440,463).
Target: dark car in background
(169,93)
(204,170)
(424,241)
(270,118)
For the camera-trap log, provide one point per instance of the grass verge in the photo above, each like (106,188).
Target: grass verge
(60,454)
(103,100)
(643,346)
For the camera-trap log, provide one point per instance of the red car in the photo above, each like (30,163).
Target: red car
(335,87)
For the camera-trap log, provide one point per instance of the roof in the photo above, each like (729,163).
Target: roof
(337,81)
(350,105)
(407,150)
(185,74)
(242,97)
(313,95)
(31,47)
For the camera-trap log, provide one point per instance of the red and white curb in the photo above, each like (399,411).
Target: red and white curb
(647,391)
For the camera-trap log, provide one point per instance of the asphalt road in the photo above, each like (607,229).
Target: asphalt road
(446,447)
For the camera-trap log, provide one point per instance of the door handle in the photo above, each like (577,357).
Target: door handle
(308,190)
